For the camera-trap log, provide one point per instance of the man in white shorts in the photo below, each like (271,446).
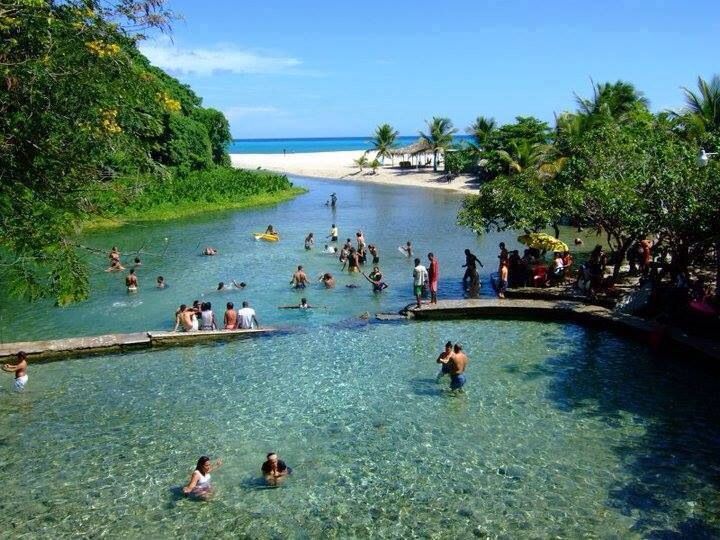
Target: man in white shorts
(20,371)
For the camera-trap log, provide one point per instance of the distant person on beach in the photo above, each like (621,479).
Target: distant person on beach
(433,276)
(199,484)
(274,470)
(309,241)
(299,279)
(333,236)
(207,317)
(420,276)
(209,251)
(131,281)
(161,282)
(230,317)
(372,248)
(247,318)
(375,278)
(19,368)
(328,280)
(407,249)
(444,360)
(470,267)
(458,362)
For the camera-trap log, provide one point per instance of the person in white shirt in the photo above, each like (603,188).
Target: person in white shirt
(420,277)
(247,318)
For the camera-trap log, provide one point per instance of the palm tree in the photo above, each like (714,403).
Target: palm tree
(522,155)
(361,162)
(439,136)
(614,99)
(703,108)
(481,130)
(374,164)
(383,141)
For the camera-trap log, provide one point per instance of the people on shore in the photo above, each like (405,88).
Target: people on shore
(199,484)
(433,277)
(230,317)
(420,277)
(247,318)
(470,266)
(209,251)
(444,360)
(160,282)
(299,279)
(309,241)
(503,256)
(19,368)
(207,317)
(458,363)
(333,236)
(274,470)
(131,281)
(503,281)
(328,280)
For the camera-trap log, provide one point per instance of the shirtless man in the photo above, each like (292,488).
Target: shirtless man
(375,278)
(372,248)
(115,266)
(328,280)
(131,281)
(19,368)
(503,285)
(274,470)
(444,361)
(458,362)
(299,279)
(407,249)
(186,319)
(230,317)
(470,268)
(114,254)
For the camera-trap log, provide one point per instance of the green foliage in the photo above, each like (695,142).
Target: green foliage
(188,145)
(361,162)
(439,136)
(700,120)
(482,129)
(383,140)
(218,129)
(462,160)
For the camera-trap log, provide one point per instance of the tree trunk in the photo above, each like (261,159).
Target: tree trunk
(620,257)
(556,230)
(717,269)
(435,155)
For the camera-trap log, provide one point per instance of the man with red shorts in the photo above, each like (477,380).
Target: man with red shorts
(433,276)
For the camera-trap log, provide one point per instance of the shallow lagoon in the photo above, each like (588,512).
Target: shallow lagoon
(563,430)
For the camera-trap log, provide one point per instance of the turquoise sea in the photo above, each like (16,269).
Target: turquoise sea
(321,144)
(563,431)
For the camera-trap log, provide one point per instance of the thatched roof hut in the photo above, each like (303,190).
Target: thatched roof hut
(420,146)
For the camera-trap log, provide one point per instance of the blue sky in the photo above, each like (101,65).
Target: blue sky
(314,69)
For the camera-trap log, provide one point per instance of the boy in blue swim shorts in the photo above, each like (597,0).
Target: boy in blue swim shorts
(458,362)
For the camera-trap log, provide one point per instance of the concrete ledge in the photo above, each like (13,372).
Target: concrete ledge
(86,346)
(566,310)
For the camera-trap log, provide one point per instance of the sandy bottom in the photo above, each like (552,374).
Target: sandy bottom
(339,165)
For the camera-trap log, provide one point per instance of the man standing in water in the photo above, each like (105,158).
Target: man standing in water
(433,276)
(470,268)
(131,281)
(333,236)
(420,276)
(19,368)
(299,279)
(458,363)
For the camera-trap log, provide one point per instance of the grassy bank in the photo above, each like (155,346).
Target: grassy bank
(141,199)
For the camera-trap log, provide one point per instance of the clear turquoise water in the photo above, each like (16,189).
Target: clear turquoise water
(314,144)
(563,431)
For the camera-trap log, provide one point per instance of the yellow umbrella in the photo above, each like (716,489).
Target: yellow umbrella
(543,241)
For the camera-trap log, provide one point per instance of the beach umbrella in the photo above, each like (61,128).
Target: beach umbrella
(542,241)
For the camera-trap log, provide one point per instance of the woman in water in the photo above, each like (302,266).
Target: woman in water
(328,280)
(199,484)
(309,241)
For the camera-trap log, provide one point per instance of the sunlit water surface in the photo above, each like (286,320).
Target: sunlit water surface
(563,431)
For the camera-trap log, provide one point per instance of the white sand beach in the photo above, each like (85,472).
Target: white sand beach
(339,165)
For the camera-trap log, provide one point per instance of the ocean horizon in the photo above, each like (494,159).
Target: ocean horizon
(315,144)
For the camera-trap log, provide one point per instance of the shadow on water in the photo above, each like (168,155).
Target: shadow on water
(675,464)
(424,386)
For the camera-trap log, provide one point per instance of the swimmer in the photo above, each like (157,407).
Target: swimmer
(303,305)
(19,368)
(333,236)
(240,285)
(210,251)
(114,254)
(352,286)
(131,281)
(299,279)
(333,200)
(372,248)
(330,249)
(115,266)
(407,249)
(444,361)
(328,280)
(309,241)
(230,317)
(458,362)
(375,278)
(160,284)
(137,262)
(270,230)
(274,470)
(578,241)
(199,484)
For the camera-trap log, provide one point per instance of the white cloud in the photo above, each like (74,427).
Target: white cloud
(205,61)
